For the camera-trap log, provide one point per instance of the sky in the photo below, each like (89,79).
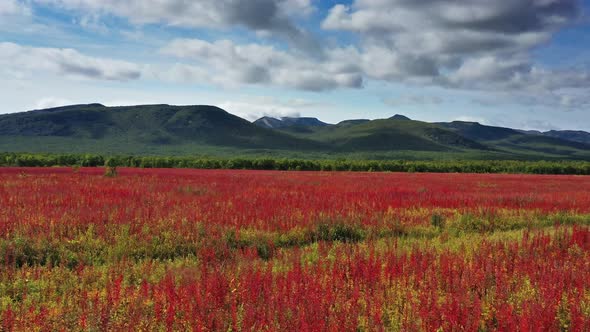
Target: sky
(516,63)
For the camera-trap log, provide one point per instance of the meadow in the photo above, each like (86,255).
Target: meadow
(236,250)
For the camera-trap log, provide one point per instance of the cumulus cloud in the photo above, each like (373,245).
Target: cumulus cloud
(267,16)
(227,63)
(465,44)
(256,14)
(24,60)
(14,14)
(296,8)
(13,7)
(484,70)
(462,44)
(481,24)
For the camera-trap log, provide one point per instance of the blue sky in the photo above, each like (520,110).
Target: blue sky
(517,63)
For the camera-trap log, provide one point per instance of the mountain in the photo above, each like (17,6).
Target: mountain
(479,132)
(390,134)
(209,130)
(570,135)
(352,122)
(518,141)
(530,132)
(268,122)
(138,129)
(274,123)
(400,117)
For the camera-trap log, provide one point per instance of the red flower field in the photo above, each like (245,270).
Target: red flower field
(211,250)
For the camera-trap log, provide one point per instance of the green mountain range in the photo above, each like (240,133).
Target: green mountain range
(209,130)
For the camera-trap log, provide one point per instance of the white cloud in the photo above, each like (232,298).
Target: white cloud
(462,45)
(274,17)
(437,36)
(253,108)
(14,15)
(23,60)
(297,7)
(256,14)
(226,63)
(179,13)
(488,69)
(13,7)
(93,22)
(466,44)
(469,118)
(50,102)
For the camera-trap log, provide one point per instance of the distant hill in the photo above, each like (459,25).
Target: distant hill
(268,122)
(274,123)
(400,117)
(570,135)
(518,141)
(530,132)
(209,130)
(479,132)
(390,134)
(352,122)
(141,128)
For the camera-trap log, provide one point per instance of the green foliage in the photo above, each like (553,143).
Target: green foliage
(283,164)
(112,162)
(264,250)
(87,248)
(110,168)
(438,221)
(339,231)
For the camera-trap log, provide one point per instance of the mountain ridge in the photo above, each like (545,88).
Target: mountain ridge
(168,129)
(145,125)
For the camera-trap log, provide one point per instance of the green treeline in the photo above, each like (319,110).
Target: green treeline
(458,166)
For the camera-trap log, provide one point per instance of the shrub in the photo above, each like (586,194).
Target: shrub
(110,171)
(340,231)
(438,221)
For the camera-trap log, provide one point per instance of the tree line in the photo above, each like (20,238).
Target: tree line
(284,164)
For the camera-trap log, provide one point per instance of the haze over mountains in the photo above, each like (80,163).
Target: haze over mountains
(209,130)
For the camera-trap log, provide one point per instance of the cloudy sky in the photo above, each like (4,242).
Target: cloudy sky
(519,63)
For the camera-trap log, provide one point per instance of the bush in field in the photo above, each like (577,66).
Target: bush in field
(438,221)
(110,168)
(339,231)
(110,172)
(264,250)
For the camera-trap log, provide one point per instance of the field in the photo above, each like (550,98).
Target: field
(230,250)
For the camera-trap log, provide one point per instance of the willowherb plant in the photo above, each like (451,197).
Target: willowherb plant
(179,249)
